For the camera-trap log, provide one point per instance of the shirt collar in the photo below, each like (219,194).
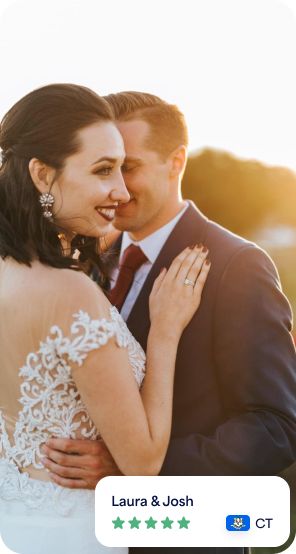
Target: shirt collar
(152,245)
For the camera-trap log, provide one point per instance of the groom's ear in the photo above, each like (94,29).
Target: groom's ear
(178,159)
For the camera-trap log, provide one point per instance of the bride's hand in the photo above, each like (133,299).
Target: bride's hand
(172,302)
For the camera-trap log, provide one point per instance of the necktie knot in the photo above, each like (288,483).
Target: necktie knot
(132,260)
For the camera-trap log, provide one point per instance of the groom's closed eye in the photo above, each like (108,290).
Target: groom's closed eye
(130,164)
(127,167)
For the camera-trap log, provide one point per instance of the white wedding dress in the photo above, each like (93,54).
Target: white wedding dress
(36,515)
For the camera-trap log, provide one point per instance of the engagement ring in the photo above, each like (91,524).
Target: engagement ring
(188,282)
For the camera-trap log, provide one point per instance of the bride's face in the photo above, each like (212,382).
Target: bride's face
(91,185)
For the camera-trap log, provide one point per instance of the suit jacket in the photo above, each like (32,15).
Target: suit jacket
(234,410)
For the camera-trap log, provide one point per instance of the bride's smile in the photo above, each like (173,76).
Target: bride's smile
(90,186)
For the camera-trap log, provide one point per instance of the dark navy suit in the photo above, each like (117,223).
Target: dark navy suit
(234,407)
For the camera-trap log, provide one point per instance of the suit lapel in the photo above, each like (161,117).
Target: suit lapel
(190,229)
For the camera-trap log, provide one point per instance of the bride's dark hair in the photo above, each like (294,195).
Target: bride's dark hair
(43,125)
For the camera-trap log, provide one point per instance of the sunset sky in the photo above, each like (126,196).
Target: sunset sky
(229,64)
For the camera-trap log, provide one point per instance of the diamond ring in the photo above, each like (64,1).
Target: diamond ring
(188,282)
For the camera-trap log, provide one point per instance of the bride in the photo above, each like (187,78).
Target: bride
(69,365)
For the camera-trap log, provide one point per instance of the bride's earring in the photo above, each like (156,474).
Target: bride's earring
(47,201)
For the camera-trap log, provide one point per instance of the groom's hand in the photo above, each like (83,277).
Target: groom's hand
(78,464)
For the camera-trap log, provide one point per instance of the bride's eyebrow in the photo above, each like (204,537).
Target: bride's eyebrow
(105,159)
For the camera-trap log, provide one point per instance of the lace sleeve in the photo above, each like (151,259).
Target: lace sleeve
(47,401)
(87,334)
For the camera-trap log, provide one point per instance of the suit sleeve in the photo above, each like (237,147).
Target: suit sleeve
(255,364)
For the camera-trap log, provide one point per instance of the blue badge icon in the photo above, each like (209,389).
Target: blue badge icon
(238,523)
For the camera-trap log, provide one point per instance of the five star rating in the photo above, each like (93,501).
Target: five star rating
(189,511)
(151,523)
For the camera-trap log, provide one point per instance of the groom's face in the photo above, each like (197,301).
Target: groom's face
(147,178)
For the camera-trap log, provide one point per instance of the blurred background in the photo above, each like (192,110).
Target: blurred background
(251,199)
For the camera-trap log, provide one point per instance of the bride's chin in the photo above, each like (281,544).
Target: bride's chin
(99,231)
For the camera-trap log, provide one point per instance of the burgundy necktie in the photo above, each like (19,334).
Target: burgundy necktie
(132,260)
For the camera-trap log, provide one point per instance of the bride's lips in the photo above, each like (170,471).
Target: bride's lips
(107,212)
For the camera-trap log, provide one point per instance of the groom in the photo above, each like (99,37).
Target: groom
(235,383)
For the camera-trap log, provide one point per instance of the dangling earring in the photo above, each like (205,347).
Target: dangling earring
(47,201)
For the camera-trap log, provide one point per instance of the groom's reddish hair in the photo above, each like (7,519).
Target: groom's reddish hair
(168,128)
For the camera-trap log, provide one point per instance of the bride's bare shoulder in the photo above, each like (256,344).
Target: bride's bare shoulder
(69,278)
(46,297)
(75,287)
(65,290)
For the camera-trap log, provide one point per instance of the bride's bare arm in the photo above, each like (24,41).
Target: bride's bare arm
(136,428)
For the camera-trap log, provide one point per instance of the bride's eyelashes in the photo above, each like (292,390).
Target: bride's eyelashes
(104,171)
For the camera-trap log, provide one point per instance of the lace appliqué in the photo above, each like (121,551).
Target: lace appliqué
(51,403)
(40,495)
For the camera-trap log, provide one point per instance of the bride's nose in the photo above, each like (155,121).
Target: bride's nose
(119,192)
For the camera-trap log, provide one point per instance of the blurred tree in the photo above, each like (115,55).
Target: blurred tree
(241,195)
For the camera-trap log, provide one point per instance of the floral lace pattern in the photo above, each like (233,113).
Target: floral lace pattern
(44,496)
(51,403)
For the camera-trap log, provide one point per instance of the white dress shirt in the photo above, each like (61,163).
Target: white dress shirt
(151,246)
